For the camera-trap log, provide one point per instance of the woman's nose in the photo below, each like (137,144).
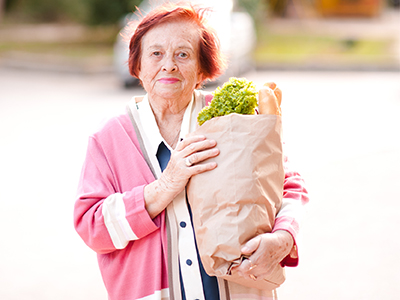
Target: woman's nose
(169,65)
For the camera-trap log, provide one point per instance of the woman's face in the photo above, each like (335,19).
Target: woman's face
(169,66)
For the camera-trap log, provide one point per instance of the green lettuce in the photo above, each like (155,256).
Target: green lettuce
(238,95)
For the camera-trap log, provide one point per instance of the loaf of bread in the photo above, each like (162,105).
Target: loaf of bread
(269,99)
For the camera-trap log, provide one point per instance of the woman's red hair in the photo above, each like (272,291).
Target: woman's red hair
(210,57)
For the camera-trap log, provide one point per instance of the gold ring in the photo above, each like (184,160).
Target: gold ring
(253,267)
(253,277)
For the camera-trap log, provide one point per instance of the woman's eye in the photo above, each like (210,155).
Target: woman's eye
(182,55)
(156,53)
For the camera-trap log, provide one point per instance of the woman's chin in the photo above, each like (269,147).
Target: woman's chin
(169,90)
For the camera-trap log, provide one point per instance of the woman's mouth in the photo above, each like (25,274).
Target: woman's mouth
(168,80)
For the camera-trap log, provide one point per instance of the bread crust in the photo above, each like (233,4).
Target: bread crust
(270,99)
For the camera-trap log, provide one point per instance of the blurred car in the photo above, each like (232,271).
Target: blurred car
(235,30)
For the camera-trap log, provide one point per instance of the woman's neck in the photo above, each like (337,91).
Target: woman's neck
(165,107)
(169,116)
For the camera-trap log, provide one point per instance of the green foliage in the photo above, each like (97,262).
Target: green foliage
(251,6)
(93,12)
(109,12)
(35,10)
(238,95)
(256,8)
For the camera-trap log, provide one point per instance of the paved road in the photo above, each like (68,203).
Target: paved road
(341,130)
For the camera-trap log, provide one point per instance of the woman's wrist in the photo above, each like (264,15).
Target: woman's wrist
(157,196)
(286,239)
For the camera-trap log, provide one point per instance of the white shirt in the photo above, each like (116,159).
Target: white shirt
(189,264)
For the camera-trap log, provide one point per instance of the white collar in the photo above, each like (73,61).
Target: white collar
(150,126)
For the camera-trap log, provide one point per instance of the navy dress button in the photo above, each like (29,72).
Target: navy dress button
(189,262)
(182,224)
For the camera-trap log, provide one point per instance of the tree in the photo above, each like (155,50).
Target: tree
(93,12)
(106,11)
(2,9)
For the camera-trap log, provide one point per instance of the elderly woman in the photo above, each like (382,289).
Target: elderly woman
(138,164)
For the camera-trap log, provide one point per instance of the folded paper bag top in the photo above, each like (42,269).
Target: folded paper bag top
(241,197)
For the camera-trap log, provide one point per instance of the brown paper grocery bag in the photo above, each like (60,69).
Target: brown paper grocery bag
(240,198)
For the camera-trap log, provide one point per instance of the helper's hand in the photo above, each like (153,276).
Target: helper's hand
(266,251)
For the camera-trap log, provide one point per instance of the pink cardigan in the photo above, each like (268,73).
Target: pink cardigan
(140,268)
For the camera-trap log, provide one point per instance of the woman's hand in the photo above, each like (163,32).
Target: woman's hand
(265,252)
(182,165)
(184,161)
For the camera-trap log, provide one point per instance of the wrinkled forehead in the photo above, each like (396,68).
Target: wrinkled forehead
(178,31)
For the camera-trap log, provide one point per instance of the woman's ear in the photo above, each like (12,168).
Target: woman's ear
(200,78)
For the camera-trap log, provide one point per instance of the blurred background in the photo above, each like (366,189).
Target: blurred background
(63,71)
(80,35)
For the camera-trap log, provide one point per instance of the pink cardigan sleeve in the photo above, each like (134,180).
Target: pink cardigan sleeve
(295,197)
(108,214)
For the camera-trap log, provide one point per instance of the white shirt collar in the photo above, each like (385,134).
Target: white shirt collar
(150,126)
